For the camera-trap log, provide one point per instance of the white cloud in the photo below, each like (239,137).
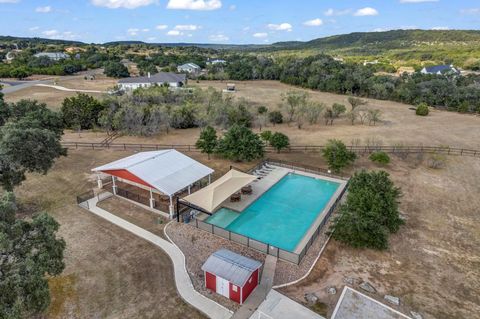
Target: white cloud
(473,11)
(34,29)
(9,1)
(313,23)
(232,7)
(186,27)
(151,39)
(194,4)
(332,12)
(417,1)
(133,31)
(368,11)
(146,30)
(127,4)
(441,28)
(161,27)
(280,27)
(45,9)
(174,33)
(55,34)
(218,38)
(260,35)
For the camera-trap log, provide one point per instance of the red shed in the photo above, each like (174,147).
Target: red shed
(231,275)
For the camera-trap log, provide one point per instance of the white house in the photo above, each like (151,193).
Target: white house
(163,78)
(55,56)
(190,68)
(440,69)
(214,61)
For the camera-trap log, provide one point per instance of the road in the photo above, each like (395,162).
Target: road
(20,85)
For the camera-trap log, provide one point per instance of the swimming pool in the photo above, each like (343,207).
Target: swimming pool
(281,216)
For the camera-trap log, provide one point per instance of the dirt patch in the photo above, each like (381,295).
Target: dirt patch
(109,273)
(433,262)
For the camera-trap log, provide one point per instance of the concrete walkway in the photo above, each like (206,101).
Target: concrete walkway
(182,279)
(260,293)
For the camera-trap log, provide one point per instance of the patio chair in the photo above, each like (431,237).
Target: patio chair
(247,190)
(235,197)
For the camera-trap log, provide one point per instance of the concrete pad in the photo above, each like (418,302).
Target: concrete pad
(355,305)
(277,305)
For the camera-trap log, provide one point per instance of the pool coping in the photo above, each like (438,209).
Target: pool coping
(322,214)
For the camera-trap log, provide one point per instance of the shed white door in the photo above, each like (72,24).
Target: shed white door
(223,287)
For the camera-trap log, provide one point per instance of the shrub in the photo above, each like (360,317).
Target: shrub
(337,155)
(266,135)
(380,158)
(116,70)
(370,212)
(275,117)
(81,111)
(207,141)
(422,109)
(279,141)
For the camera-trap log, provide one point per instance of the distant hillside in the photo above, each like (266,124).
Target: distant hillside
(382,41)
(12,39)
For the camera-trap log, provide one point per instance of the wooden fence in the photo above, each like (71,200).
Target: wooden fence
(398,149)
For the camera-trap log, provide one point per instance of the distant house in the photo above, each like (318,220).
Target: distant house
(440,69)
(55,56)
(214,61)
(162,78)
(190,68)
(365,63)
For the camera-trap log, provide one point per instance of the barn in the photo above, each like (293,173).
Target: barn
(231,275)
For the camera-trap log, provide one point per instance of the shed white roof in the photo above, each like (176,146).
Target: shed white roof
(169,171)
(231,266)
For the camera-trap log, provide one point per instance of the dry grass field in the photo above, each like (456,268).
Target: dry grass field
(399,124)
(433,263)
(109,272)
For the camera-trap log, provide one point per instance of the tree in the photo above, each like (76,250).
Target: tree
(208,141)
(356,102)
(116,70)
(240,144)
(262,112)
(380,157)
(294,100)
(374,116)
(370,212)
(422,109)
(29,141)
(275,117)
(313,112)
(279,141)
(30,250)
(337,155)
(81,111)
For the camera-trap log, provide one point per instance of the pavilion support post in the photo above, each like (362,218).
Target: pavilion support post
(99,182)
(114,186)
(152,200)
(209,179)
(171,208)
(189,190)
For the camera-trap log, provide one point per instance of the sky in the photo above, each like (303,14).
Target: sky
(227,21)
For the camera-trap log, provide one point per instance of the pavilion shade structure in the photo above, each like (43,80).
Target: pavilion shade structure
(167,171)
(212,196)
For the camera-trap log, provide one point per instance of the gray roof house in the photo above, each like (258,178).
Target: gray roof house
(215,61)
(172,79)
(190,68)
(55,56)
(440,69)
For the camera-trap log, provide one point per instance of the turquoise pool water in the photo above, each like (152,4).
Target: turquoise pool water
(283,214)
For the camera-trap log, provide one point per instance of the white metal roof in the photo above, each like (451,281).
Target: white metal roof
(231,266)
(169,171)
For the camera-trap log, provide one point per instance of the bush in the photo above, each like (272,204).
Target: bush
(240,144)
(380,158)
(422,109)
(207,141)
(370,212)
(275,117)
(266,135)
(279,141)
(337,155)
(81,111)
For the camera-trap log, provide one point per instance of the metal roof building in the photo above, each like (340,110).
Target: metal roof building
(231,275)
